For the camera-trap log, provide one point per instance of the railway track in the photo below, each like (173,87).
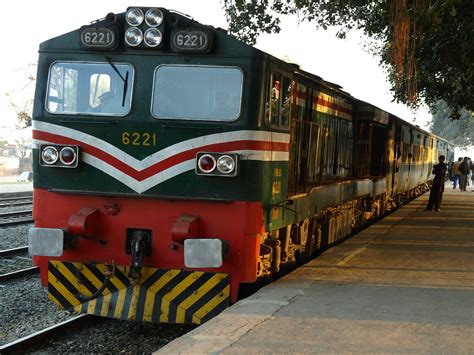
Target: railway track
(15,218)
(40,338)
(16,201)
(11,254)
(15,195)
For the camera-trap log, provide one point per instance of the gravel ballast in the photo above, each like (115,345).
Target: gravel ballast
(14,236)
(25,309)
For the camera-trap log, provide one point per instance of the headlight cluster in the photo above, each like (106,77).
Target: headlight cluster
(59,156)
(217,164)
(144,27)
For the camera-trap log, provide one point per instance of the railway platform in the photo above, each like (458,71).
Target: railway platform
(405,284)
(11,188)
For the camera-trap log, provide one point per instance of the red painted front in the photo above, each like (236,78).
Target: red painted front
(238,223)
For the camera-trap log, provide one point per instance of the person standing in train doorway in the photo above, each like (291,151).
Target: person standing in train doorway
(437,189)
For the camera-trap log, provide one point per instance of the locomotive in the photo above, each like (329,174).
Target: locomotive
(174,164)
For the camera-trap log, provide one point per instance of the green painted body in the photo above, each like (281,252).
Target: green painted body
(253,182)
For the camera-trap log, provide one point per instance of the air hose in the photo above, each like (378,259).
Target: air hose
(109,272)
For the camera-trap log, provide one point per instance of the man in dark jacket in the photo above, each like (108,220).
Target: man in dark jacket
(464,170)
(437,189)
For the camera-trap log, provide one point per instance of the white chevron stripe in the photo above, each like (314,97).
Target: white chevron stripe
(142,186)
(139,186)
(164,153)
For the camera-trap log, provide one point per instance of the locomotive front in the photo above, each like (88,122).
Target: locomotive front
(150,154)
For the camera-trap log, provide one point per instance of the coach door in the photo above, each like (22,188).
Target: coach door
(281,107)
(396,158)
(304,167)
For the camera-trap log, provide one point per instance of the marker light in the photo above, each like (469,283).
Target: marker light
(133,36)
(134,16)
(49,155)
(225,164)
(154,17)
(153,37)
(67,156)
(207,163)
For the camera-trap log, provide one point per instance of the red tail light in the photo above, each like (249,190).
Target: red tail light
(67,156)
(207,163)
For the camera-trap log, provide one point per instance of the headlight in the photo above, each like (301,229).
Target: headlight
(67,156)
(154,17)
(153,37)
(207,163)
(133,36)
(217,164)
(225,164)
(134,17)
(49,155)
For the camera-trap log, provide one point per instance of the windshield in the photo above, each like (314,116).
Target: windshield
(197,92)
(101,89)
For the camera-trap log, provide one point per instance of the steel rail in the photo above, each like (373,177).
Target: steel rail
(36,340)
(20,203)
(6,195)
(18,274)
(15,222)
(14,251)
(16,213)
(15,218)
(7,199)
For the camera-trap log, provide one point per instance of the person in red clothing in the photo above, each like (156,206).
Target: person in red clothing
(437,189)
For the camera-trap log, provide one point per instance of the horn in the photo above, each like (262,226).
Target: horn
(111,18)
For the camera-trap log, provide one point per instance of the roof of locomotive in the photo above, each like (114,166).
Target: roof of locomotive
(227,44)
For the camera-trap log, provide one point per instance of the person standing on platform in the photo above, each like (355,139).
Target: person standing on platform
(464,170)
(456,172)
(437,189)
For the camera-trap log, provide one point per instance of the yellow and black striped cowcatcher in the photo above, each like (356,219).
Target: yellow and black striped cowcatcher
(161,295)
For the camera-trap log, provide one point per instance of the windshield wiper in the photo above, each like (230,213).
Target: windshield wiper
(124,79)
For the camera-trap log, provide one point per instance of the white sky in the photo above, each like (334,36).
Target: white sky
(343,62)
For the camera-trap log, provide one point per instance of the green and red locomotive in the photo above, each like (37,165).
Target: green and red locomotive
(174,163)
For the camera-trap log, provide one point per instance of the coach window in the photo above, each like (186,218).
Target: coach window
(280,101)
(192,92)
(95,89)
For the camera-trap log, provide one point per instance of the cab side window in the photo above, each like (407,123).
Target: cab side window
(280,101)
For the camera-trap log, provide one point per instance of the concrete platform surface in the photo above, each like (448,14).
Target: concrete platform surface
(405,284)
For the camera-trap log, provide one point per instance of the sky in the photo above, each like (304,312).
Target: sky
(343,62)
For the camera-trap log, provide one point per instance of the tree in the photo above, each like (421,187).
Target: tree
(22,148)
(460,132)
(3,144)
(426,45)
(21,99)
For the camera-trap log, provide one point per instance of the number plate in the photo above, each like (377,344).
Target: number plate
(98,38)
(193,40)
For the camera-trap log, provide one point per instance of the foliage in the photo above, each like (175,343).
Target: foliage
(460,132)
(22,147)
(3,144)
(425,45)
(21,99)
